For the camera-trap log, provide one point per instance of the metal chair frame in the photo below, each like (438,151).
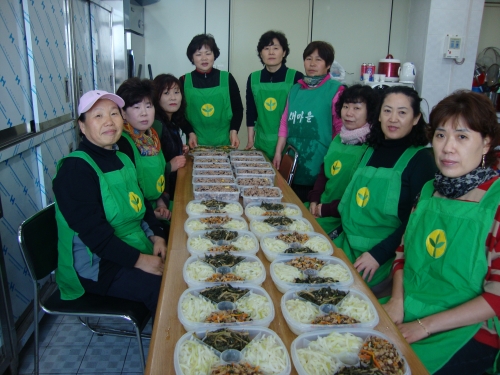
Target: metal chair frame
(44,249)
(289,175)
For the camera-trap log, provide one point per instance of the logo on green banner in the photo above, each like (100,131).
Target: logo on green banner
(436,243)
(270,104)
(207,110)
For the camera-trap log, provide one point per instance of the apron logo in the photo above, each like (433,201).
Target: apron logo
(160,184)
(436,243)
(336,167)
(270,104)
(207,110)
(135,201)
(362,197)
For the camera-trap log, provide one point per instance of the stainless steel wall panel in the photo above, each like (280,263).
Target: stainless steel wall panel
(102,48)
(15,96)
(82,46)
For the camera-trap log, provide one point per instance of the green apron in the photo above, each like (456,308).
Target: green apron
(445,265)
(270,100)
(122,200)
(310,127)
(209,111)
(340,162)
(369,209)
(150,172)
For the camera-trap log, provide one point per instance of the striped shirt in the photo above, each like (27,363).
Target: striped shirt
(491,292)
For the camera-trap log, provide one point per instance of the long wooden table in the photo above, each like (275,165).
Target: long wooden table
(167,328)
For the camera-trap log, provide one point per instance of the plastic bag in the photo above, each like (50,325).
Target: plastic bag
(337,72)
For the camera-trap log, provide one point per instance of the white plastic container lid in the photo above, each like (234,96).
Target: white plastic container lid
(190,325)
(193,206)
(260,228)
(246,153)
(193,224)
(319,242)
(241,234)
(305,339)
(255,333)
(249,198)
(193,282)
(252,208)
(202,166)
(298,327)
(252,164)
(284,286)
(242,182)
(213,180)
(209,158)
(248,158)
(213,173)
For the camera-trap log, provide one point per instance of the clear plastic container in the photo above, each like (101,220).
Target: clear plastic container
(298,327)
(245,182)
(208,153)
(221,165)
(343,358)
(211,159)
(284,286)
(245,242)
(254,172)
(248,198)
(246,153)
(251,164)
(266,318)
(193,224)
(253,211)
(248,159)
(273,246)
(255,334)
(223,192)
(196,209)
(214,180)
(213,173)
(256,278)
(259,227)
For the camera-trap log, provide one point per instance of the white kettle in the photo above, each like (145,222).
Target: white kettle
(407,72)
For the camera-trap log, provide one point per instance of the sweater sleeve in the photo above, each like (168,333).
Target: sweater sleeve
(251,113)
(319,186)
(336,121)
(79,199)
(283,130)
(419,170)
(236,104)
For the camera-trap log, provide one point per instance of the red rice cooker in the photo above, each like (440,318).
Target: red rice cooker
(389,66)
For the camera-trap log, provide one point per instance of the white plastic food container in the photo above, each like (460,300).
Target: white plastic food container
(191,325)
(253,172)
(248,198)
(194,224)
(298,327)
(222,192)
(256,334)
(255,278)
(211,159)
(246,153)
(259,227)
(249,158)
(272,246)
(214,180)
(213,173)
(202,166)
(246,243)
(254,211)
(243,182)
(251,164)
(196,209)
(343,358)
(284,286)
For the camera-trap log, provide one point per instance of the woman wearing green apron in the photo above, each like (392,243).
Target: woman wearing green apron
(110,242)
(375,207)
(446,294)
(141,143)
(214,106)
(358,108)
(308,121)
(267,90)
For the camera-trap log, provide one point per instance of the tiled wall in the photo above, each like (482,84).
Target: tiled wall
(430,21)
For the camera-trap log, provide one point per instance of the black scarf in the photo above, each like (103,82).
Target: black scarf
(458,186)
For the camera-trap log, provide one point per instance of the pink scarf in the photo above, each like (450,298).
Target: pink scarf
(356,136)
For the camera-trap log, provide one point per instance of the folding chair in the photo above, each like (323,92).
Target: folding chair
(37,237)
(288,164)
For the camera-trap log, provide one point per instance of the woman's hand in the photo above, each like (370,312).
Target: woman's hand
(251,136)
(193,140)
(368,265)
(150,264)
(412,331)
(177,162)
(233,136)
(394,308)
(277,160)
(312,208)
(159,247)
(318,210)
(162,212)
(185,150)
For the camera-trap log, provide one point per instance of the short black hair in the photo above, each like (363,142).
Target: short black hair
(360,94)
(199,41)
(161,83)
(325,51)
(267,39)
(417,135)
(135,90)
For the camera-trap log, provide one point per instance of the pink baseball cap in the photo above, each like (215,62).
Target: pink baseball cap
(89,98)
